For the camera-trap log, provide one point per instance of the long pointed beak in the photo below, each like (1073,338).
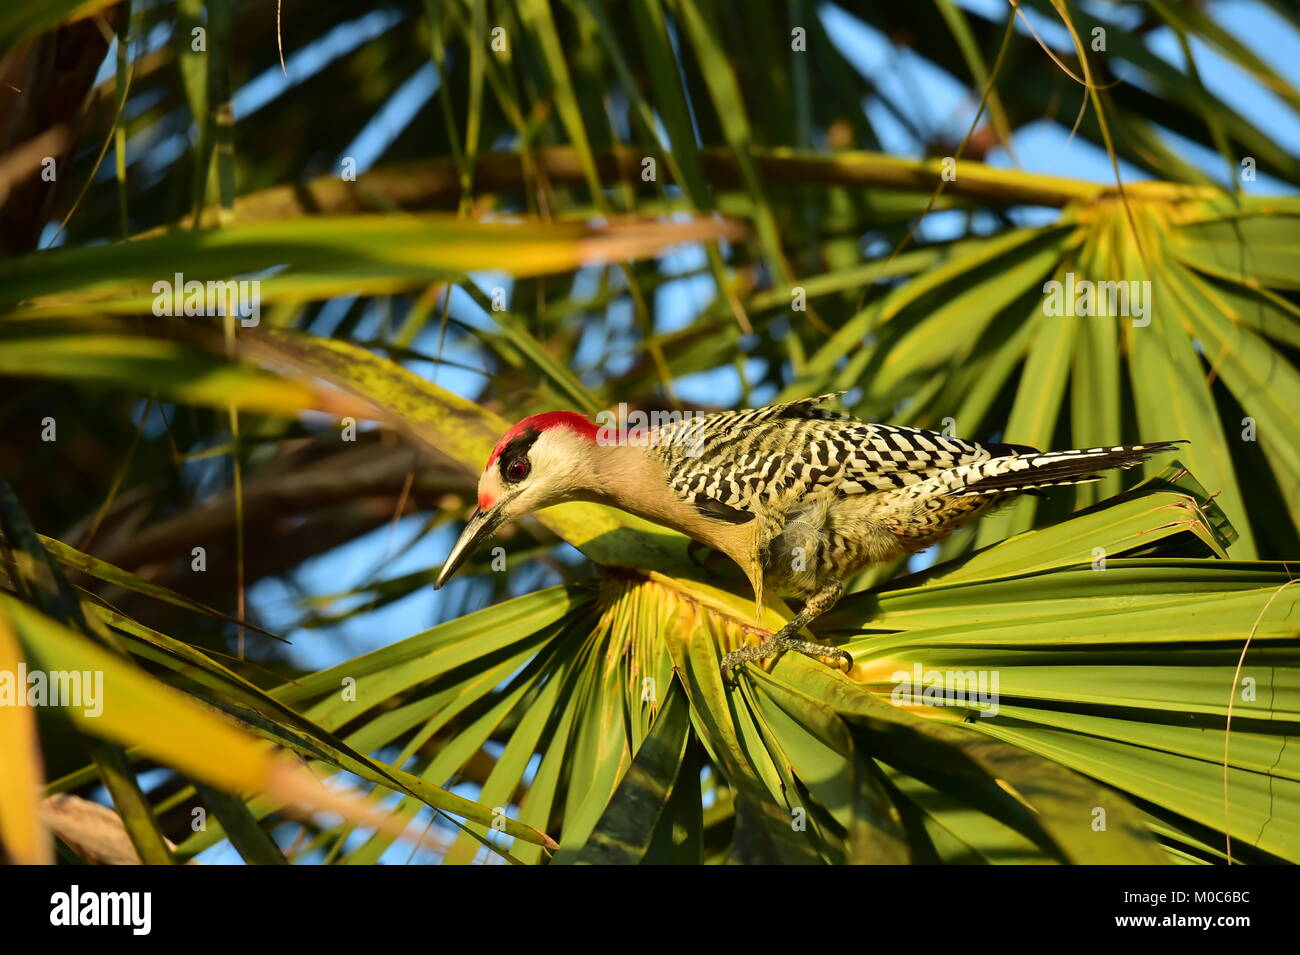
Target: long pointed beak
(480,527)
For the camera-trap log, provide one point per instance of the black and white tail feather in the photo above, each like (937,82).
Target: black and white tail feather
(1033,470)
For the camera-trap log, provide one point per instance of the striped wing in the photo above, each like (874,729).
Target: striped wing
(733,462)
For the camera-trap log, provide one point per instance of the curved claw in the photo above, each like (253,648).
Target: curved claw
(842,656)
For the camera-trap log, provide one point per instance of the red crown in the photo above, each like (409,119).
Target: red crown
(544,422)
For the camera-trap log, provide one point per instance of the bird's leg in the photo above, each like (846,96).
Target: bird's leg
(786,638)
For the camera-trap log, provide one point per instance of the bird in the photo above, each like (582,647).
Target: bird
(800,496)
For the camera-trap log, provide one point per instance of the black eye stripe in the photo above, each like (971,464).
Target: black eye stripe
(517,449)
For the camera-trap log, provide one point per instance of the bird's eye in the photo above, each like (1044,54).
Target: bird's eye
(517,470)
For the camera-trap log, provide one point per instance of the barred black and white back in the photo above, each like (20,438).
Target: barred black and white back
(741,463)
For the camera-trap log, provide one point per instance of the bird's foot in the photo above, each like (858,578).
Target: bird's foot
(777,645)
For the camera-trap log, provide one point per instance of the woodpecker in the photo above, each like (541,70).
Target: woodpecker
(799,496)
